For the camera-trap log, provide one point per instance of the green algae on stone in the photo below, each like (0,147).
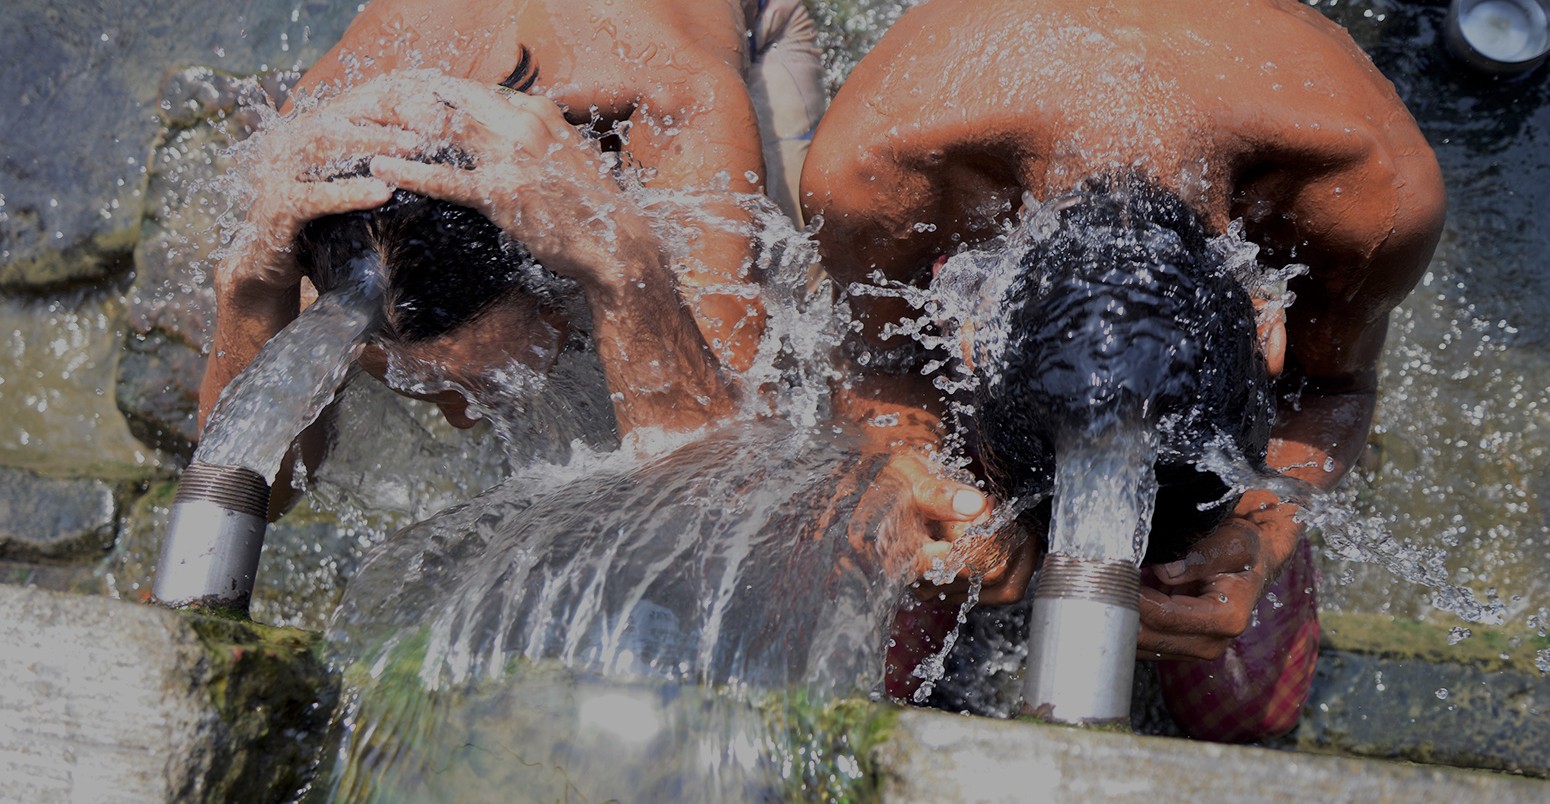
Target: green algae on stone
(100,256)
(273,695)
(825,747)
(1487,647)
(556,733)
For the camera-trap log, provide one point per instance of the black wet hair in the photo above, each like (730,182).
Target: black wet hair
(525,75)
(443,264)
(1122,309)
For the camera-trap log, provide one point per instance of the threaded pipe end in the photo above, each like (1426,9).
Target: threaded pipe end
(1117,583)
(234,488)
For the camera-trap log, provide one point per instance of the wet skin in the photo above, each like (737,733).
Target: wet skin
(671,70)
(1259,111)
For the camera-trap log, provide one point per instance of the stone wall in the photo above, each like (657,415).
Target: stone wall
(113,162)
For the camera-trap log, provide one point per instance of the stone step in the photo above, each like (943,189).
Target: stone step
(106,701)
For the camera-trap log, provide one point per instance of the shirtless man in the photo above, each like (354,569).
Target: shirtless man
(670,73)
(1255,110)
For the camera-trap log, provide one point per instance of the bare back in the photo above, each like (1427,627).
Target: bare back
(1247,109)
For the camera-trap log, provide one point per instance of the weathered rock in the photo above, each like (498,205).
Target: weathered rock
(171,302)
(54,519)
(79,579)
(80,91)
(933,756)
(58,363)
(158,391)
(106,701)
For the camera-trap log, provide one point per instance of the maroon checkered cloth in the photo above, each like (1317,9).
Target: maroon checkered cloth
(1256,690)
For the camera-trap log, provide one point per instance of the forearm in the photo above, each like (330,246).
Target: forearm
(246,317)
(894,410)
(657,364)
(704,154)
(725,303)
(1317,442)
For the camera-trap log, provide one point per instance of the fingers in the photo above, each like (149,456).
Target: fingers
(1184,626)
(1010,581)
(446,182)
(315,199)
(317,140)
(939,499)
(461,112)
(280,213)
(1231,548)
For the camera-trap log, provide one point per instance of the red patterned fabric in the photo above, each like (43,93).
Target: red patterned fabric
(1257,689)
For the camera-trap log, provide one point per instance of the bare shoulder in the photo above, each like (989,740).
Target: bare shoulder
(1355,186)
(906,123)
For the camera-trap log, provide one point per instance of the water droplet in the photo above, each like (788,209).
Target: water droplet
(1442,694)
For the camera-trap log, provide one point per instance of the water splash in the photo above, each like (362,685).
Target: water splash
(750,560)
(1350,536)
(293,378)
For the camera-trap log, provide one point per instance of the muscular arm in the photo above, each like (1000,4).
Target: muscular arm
(694,126)
(1368,232)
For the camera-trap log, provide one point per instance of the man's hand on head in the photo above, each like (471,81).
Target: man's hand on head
(526,168)
(292,171)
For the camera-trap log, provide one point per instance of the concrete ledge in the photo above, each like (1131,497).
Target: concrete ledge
(107,701)
(934,756)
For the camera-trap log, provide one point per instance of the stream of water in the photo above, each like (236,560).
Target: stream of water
(664,623)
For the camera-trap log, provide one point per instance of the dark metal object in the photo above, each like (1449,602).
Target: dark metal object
(1499,37)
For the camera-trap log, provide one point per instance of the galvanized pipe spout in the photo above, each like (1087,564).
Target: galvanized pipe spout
(210,556)
(1082,641)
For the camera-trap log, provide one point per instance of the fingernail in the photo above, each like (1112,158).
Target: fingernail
(968,502)
(1174,570)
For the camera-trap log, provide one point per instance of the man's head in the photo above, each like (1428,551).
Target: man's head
(1123,310)
(460,296)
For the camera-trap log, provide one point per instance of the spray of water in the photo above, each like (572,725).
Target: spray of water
(294,377)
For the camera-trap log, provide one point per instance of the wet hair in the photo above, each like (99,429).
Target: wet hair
(1122,309)
(525,75)
(443,264)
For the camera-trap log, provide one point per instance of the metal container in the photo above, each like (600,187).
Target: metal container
(1082,641)
(1499,37)
(210,556)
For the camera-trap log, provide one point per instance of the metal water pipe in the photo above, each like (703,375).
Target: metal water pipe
(1082,641)
(210,556)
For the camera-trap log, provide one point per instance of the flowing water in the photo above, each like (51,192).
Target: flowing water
(290,382)
(651,622)
(678,602)
(1104,492)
